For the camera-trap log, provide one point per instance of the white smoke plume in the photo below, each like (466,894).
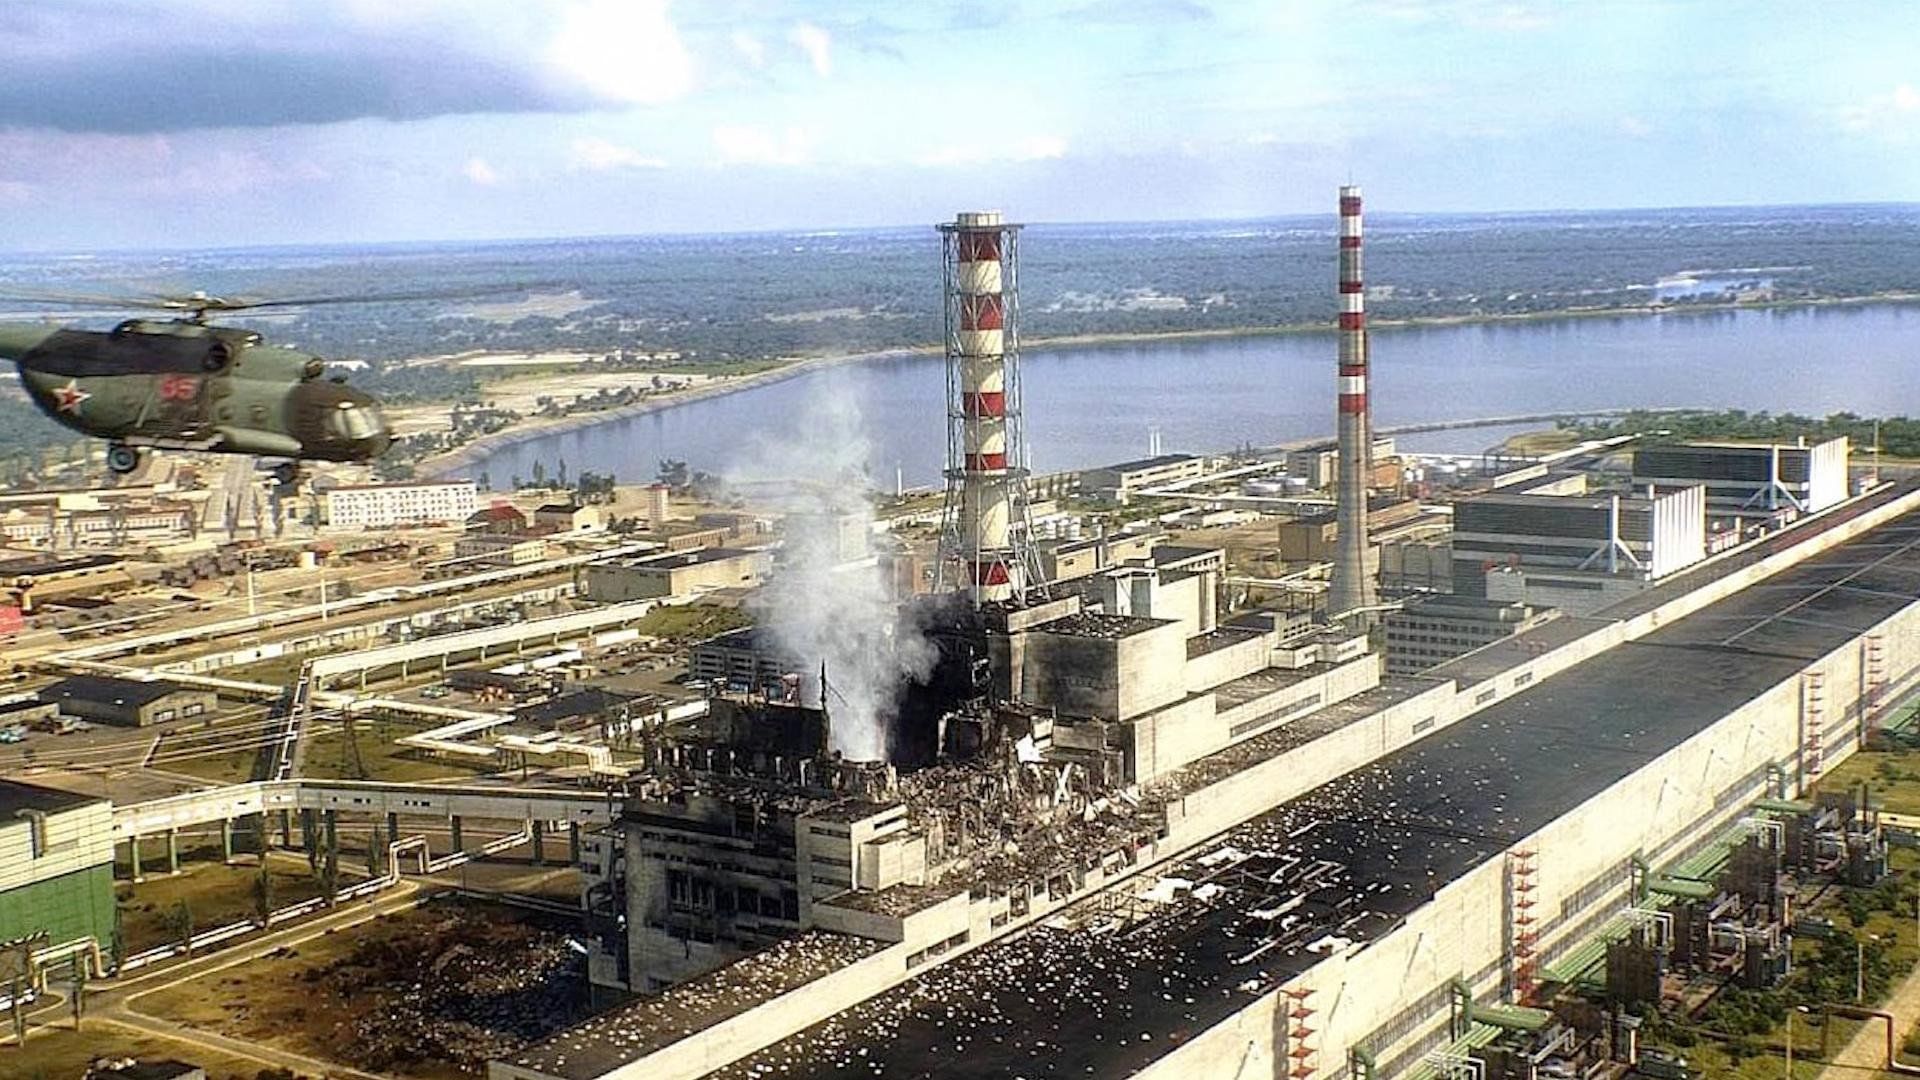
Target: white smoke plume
(826,602)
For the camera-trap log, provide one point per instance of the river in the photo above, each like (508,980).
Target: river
(1096,404)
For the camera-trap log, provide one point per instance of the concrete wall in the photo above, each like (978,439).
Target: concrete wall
(1110,678)
(76,839)
(1699,786)
(1208,670)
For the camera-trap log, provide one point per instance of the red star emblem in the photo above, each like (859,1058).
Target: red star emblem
(70,397)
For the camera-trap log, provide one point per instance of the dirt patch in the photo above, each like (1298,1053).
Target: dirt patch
(60,1053)
(432,993)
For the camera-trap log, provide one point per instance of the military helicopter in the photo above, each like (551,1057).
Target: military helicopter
(184,384)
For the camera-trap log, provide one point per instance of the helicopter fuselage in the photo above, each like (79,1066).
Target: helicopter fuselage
(181,384)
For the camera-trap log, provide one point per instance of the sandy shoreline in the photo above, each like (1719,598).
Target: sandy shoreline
(454,461)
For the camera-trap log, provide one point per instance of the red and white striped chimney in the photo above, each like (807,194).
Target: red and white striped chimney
(986,472)
(1352,585)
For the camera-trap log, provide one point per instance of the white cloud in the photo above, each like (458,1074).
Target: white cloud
(1030,148)
(1893,115)
(817,44)
(477,170)
(1510,15)
(624,50)
(599,155)
(13,191)
(741,145)
(1635,127)
(750,48)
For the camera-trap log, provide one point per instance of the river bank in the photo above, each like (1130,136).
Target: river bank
(464,457)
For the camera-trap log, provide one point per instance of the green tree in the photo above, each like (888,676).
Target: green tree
(263,893)
(178,922)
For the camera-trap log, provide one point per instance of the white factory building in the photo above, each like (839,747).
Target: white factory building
(384,506)
(1576,552)
(1751,478)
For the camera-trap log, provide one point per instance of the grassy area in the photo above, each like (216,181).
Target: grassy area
(329,756)
(1892,776)
(215,894)
(692,622)
(231,767)
(279,671)
(60,1053)
(1549,441)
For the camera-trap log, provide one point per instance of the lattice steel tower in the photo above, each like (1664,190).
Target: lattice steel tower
(985,531)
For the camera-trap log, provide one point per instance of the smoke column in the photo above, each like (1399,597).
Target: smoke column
(821,604)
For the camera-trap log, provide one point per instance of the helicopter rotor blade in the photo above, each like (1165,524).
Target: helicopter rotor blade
(201,304)
(206,302)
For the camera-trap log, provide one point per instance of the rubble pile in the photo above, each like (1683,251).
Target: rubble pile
(460,991)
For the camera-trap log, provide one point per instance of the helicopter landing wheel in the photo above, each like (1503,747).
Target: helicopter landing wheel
(122,458)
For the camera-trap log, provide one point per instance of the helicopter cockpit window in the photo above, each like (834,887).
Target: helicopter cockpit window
(352,421)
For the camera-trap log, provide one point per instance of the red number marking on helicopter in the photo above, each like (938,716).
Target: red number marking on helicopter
(70,396)
(179,388)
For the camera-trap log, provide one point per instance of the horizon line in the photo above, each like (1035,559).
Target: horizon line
(1373,214)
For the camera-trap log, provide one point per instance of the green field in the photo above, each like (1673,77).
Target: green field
(691,622)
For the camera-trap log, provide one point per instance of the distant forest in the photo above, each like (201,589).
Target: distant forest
(1899,435)
(762,295)
(722,299)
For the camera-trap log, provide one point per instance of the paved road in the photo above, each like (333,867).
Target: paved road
(115,1002)
(1865,1054)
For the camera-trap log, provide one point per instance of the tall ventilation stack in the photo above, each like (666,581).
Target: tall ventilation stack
(984,545)
(1352,586)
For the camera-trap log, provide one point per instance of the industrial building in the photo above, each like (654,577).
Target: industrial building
(386,506)
(1065,559)
(1430,630)
(747,659)
(1315,465)
(127,702)
(568,517)
(1119,483)
(56,865)
(1430,882)
(1751,478)
(501,548)
(1574,552)
(1122,678)
(674,573)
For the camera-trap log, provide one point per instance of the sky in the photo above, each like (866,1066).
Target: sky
(209,123)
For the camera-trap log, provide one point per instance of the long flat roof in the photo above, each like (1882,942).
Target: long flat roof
(16,796)
(1363,852)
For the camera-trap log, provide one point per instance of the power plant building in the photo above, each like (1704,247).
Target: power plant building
(56,865)
(1574,552)
(1751,478)
(1431,630)
(674,573)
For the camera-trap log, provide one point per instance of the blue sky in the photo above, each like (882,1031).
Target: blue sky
(190,123)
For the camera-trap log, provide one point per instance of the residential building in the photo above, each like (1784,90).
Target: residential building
(385,506)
